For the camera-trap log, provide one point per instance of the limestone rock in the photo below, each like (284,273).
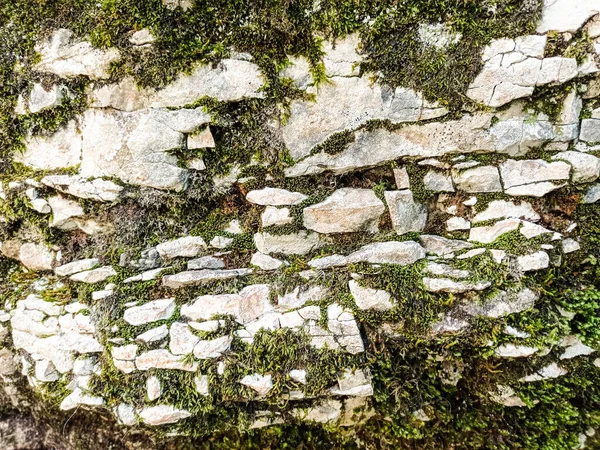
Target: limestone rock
(514,351)
(213,348)
(401,178)
(221,242)
(438,182)
(347,210)
(454,287)
(196,277)
(95,275)
(182,340)
(367,298)
(96,189)
(265,262)
(262,384)
(78,397)
(142,37)
(506,396)
(457,223)
(40,98)
(162,414)
(393,252)
(203,139)
(478,179)
(37,257)
(186,247)
(502,304)
(535,261)
(275,216)
(76,267)
(574,347)
(570,245)
(593,194)
(275,197)
(65,57)
(522,172)
(205,262)
(406,214)
(59,150)
(489,234)
(501,209)
(586,167)
(201,383)
(341,58)
(163,359)
(590,130)
(150,312)
(299,243)
(441,246)
(154,334)
(355,383)
(545,373)
(64,213)
(444,270)
(566,15)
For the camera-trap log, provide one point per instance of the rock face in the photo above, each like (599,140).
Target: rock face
(345,211)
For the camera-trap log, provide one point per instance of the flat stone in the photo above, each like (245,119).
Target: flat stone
(221,242)
(213,348)
(590,130)
(347,210)
(76,266)
(531,230)
(275,216)
(77,186)
(514,351)
(298,375)
(202,139)
(454,287)
(444,270)
(299,243)
(501,209)
(533,189)
(77,398)
(438,182)
(328,411)
(186,247)
(506,396)
(401,178)
(45,371)
(36,257)
(126,352)
(197,277)
(586,167)
(150,312)
(489,234)
(478,179)
(441,246)
(142,37)
(593,194)
(566,15)
(125,414)
(154,334)
(182,341)
(367,298)
(354,383)
(95,275)
(68,58)
(503,304)
(64,213)
(300,295)
(535,261)
(457,224)
(163,359)
(574,347)
(148,275)
(41,99)
(570,245)
(472,253)
(407,215)
(393,252)
(162,415)
(262,384)
(275,197)
(265,262)
(205,262)
(545,373)
(522,172)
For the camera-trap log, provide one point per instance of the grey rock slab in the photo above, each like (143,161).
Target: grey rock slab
(95,275)
(393,252)
(372,299)
(407,215)
(593,194)
(440,246)
(65,213)
(125,414)
(275,197)
(300,295)
(162,414)
(150,312)
(586,167)
(452,286)
(197,277)
(590,130)
(206,262)
(401,178)
(503,209)
(347,210)
(66,57)
(328,262)
(187,247)
(477,179)
(341,57)
(574,347)
(76,266)
(533,190)
(503,303)
(201,382)
(457,224)
(520,172)
(299,243)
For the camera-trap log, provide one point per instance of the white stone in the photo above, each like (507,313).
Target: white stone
(586,167)
(444,270)
(438,35)
(76,266)
(145,276)
(162,414)
(477,179)
(438,182)
(454,287)
(163,359)
(265,262)
(201,383)
(440,246)
(182,340)
(78,397)
(401,178)
(67,58)
(275,216)
(45,371)
(40,98)
(126,352)
(153,388)
(298,375)
(457,223)
(503,304)
(213,348)
(566,15)
(203,139)
(347,210)
(367,298)
(340,57)
(299,243)
(393,252)
(300,295)
(593,194)
(198,277)
(407,215)
(186,247)
(545,373)
(262,384)
(59,150)
(205,262)
(142,37)
(501,209)
(126,414)
(208,326)
(328,411)
(221,242)
(574,347)
(95,275)
(531,230)
(535,261)
(64,213)
(514,351)
(275,197)
(489,234)
(150,312)
(570,245)
(590,130)
(533,190)
(522,172)
(36,257)
(506,396)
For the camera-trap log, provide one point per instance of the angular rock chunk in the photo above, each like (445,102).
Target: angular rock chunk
(503,304)
(454,287)
(438,182)
(586,167)
(545,373)
(407,215)
(262,384)
(182,340)
(37,257)
(515,351)
(535,261)
(299,243)
(522,172)
(163,359)
(401,253)
(153,335)
(196,277)
(265,262)
(213,348)
(275,197)
(94,276)
(150,312)
(162,414)
(187,247)
(441,246)
(478,179)
(500,209)
(76,266)
(590,130)
(367,298)
(96,189)
(489,234)
(566,15)
(206,262)
(275,216)
(347,210)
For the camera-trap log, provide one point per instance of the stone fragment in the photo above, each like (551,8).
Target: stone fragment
(574,347)
(95,275)
(545,373)
(163,359)
(441,246)
(506,396)
(205,262)
(76,266)
(150,312)
(503,209)
(438,182)
(298,375)
(457,224)
(471,253)
(36,257)
(126,352)
(182,341)
(503,304)
(531,230)
(347,210)
(478,179)
(201,383)
(514,351)
(186,247)
(299,243)
(145,276)
(401,178)
(275,216)
(142,37)
(154,334)
(162,414)
(265,262)
(221,242)
(566,15)
(407,215)
(203,139)
(393,252)
(444,270)
(438,35)
(590,130)
(78,397)
(367,298)
(262,384)
(586,167)
(64,56)
(125,414)
(213,348)
(197,277)
(45,371)
(40,98)
(535,261)
(341,57)
(570,245)
(328,411)
(522,172)
(64,213)
(275,197)
(593,194)
(59,150)
(153,388)
(96,189)
(489,234)
(300,295)
(533,189)
(354,383)
(454,287)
